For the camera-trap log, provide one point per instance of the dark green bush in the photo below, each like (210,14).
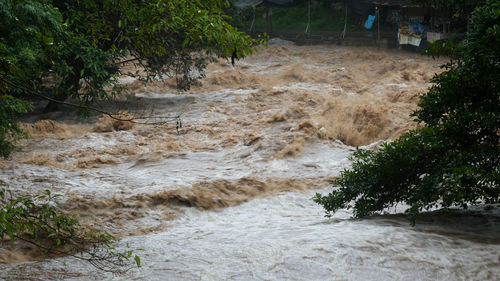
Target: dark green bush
(454,160)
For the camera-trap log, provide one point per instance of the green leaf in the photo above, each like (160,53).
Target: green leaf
(48,40)
(137,261)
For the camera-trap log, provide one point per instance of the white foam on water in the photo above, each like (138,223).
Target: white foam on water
(286,237)
(278,237)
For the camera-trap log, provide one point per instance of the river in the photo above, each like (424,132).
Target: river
(228,195)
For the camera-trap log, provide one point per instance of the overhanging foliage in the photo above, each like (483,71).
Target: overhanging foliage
(61,49)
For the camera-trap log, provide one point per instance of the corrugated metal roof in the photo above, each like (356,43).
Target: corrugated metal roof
(402,3)
(246,3)
(279,3)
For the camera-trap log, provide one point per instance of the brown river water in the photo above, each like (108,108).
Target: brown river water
(228,196)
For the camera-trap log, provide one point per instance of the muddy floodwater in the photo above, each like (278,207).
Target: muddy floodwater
(228,195)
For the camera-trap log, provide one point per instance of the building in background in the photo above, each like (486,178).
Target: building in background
(389,23)
(417,25)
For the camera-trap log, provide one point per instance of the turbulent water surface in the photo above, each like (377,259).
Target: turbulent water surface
(228,195)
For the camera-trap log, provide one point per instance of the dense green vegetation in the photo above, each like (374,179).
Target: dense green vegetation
(454,159)
(59,49)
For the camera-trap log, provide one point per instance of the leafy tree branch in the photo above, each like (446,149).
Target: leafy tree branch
(73,49)
(38,220)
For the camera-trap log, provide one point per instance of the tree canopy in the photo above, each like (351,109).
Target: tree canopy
(55,49)
(58,49)
(454,159)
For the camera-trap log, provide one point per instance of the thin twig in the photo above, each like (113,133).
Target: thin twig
(125,61)
(99,261)
(112,115)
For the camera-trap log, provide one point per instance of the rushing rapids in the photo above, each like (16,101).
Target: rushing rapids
(228,195)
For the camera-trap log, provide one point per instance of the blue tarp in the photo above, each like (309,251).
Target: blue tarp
(369,22)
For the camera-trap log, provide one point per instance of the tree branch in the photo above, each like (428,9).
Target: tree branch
(177,118)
